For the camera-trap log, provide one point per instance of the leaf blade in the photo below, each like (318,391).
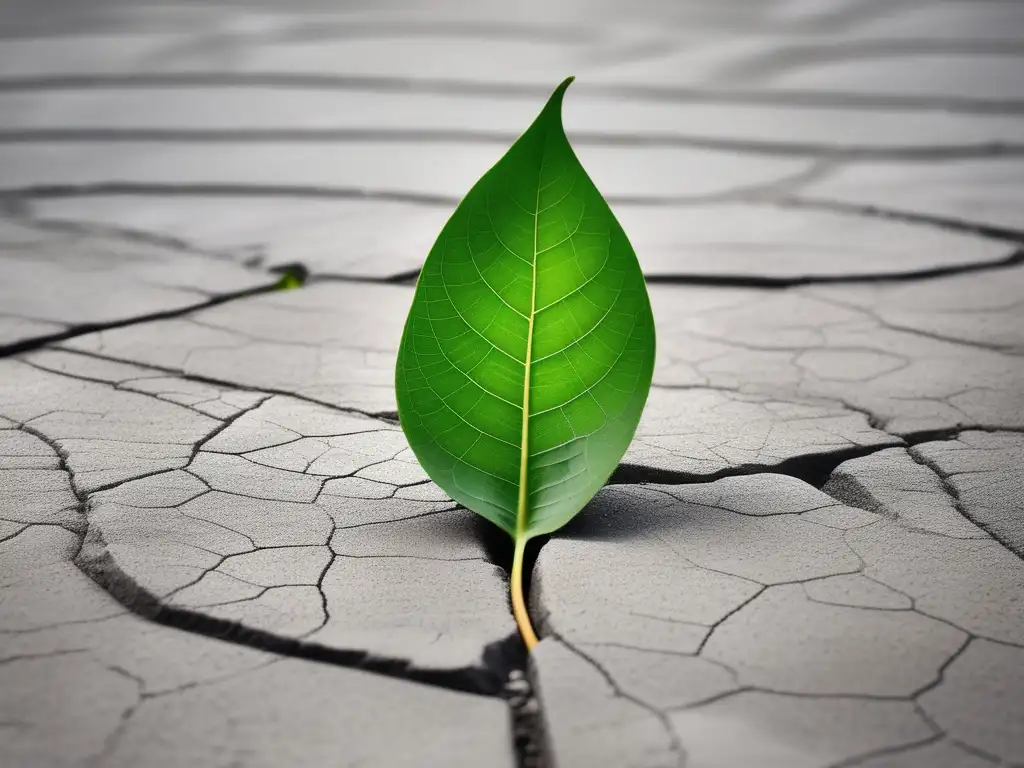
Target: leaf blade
(528,352)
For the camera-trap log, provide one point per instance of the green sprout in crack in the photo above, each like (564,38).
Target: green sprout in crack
(292,276)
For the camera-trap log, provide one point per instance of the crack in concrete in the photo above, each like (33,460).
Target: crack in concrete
(767,282)
(99,565)
(954,496)
(813,468)
(810,467)
(674,742)
(120,386)
(938,732)
(754,190)
(736,609)
(792,97)
(502,661)
(114,737)
(1015,259)
(47,655)
(21,212)
(942,222)
(778,148)
(387,416)
(36,342)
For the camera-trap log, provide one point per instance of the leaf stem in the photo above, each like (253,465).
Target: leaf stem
(518,603)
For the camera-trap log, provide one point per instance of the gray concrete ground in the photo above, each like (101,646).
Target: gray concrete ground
(216,548)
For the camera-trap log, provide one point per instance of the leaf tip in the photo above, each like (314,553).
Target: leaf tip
(562,87)
(555,101)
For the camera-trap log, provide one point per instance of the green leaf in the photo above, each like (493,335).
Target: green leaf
(528,352)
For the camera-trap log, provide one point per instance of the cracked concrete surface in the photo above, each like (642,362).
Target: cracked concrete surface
(215,546)
(741,242)
(164,695)
(247,519)
(754,619)
(61,279)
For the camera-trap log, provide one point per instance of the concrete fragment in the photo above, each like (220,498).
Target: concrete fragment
(768,729)
(784,641)
(986,472)
(74,279)
(980,700)
(287,714)
(973,584)
(588,723)
(856,591)
(891,483)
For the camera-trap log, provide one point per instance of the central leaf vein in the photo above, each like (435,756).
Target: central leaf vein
(522,510)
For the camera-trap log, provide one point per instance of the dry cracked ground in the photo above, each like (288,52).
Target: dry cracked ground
(215,546)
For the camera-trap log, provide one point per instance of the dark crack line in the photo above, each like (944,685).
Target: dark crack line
(1003,349)
(736,609)
(707,505)
(414,557)
(851,606)
(224,424)
(90,492)
(95,620)
(674,742)
(252,544)
(797,98)
(82,329)
(96,229)
(47,655)
(917,437)
(63,457)
(327,29)
(406,277)
(775,62)
(813,468)
(827,696)
(118,483)
(385,134)
(886,751)
(752,191)
(978,752)
(398,519)
(1014,260)
(119,386)
(658,651)
(876,507)
(112,740)
(24,527)
(942,222)
(971,634)
(132,189)
(95,561)
(225,603)
(386,416)
(529,738)
(941,675)
(98,564)
(332,556)
(766,282)
(714,698)
(954,496)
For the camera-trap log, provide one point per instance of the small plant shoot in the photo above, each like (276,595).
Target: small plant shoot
(528,352)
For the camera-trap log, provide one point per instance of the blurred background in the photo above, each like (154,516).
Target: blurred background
(339,135)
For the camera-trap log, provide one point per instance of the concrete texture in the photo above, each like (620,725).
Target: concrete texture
(216,548)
